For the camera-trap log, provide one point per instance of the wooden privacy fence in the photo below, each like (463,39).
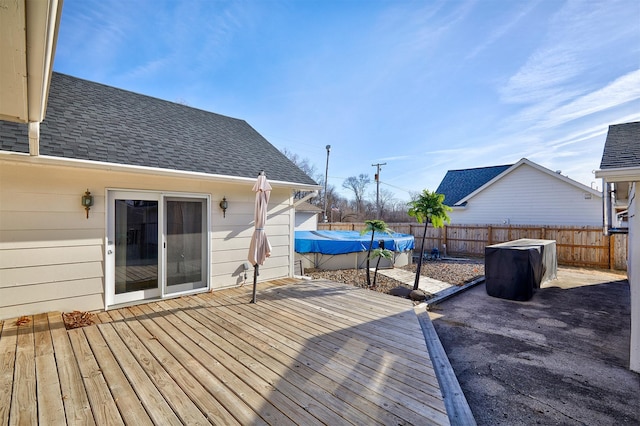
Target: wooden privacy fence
(584,246)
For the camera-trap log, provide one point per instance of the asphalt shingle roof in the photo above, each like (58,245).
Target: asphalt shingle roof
(457,184)
(91,121)
(622,147)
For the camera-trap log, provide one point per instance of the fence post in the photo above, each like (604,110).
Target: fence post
(444,238)
(489,235)
(612,250)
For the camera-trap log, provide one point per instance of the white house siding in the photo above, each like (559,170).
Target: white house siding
(306,221)
(527,196)
(633,271)
(52,256)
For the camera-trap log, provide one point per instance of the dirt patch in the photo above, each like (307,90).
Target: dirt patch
(456,272)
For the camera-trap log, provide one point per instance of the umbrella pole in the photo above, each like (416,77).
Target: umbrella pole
(255,282)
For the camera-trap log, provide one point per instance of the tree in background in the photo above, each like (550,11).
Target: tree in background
(304,164)
(358,185)
(387,200)
(373,226)
(428,207)
(344,209)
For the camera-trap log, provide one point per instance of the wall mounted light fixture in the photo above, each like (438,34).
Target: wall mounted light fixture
(224,205)
(87,201)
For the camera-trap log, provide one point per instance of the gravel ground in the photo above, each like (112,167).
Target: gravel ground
(455,272)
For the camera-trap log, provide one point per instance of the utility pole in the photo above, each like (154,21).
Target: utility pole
(326,177)
(378,188)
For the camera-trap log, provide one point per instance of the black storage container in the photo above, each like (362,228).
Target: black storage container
(515,269)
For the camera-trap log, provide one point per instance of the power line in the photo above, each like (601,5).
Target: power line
(397,187)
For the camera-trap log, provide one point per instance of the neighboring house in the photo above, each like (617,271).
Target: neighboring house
(307,217)
(620,173)
(523,193)
(157,172)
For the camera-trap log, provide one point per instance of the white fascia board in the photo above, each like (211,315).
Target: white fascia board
(621,174)
(13,62)
(43,21)
(45,160)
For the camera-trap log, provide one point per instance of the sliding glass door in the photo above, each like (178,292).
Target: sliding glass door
(157,245)
(186,254)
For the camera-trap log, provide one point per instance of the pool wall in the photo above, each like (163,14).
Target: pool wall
(332,250)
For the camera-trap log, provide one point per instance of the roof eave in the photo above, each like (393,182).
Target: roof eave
(29,34)
(619,174)
(45,160)
(537,167)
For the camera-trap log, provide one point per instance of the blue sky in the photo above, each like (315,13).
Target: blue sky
(423,86)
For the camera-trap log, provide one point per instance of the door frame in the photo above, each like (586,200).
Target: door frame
(112,300)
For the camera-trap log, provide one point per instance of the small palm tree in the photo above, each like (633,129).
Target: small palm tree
(379,253)
(373,226)
(428,207)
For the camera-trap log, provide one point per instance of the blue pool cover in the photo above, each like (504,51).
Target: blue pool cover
(341,242)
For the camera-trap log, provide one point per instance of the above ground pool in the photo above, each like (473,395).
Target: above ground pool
(342,242)
(348,249)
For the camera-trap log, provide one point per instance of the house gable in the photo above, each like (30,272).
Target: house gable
(527,193)
(523,162)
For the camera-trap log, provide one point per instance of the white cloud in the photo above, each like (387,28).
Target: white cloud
(624,89)
(578,41)
(503,29)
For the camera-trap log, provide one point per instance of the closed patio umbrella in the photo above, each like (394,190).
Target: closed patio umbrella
(259,248)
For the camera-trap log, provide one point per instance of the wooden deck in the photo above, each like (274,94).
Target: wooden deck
(307,353)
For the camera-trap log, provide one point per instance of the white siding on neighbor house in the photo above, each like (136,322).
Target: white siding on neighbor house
(52,256)
(527,196)
(306,221)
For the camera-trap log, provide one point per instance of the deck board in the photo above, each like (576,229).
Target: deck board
(313,322)
(260,363)
(8,340)
(125,398)
(258,393)
(309,352)
(294,328)
(140,367)
(50,406)
(172,393)
(23,400)
(74,396)
(103,406)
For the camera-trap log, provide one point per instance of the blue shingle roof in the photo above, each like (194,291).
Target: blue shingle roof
(91,121)
(457,184)
(622,147)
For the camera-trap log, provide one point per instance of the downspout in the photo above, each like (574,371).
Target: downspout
(34,138)
(607,215)
(305,198)
(292,242)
